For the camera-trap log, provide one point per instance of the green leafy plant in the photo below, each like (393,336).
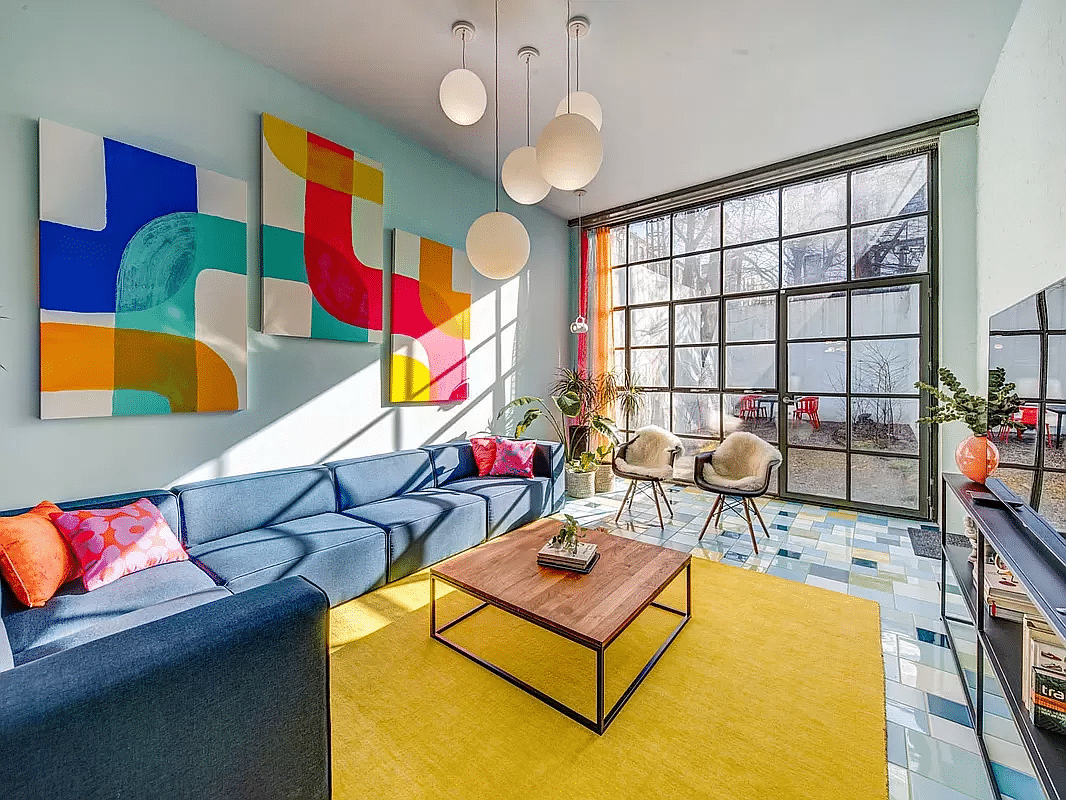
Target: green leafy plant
(569,535)
(567,404)
(628,397)
(979,413)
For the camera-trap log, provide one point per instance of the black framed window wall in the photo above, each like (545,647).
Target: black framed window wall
(802,312)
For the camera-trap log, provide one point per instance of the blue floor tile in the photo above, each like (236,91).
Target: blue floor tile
(1016,785)
(864,562)
(949,709)
(932,637)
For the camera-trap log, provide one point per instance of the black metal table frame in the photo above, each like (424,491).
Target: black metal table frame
(598,725)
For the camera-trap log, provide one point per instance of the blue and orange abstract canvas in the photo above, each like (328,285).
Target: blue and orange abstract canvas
(144,281)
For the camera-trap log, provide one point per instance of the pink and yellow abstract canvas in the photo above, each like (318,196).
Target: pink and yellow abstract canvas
(143,280)
(430,320)
(323,237)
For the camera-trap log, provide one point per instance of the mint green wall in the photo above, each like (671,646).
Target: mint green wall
(123,70)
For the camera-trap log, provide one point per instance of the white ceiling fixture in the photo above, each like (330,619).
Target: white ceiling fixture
(692,90)
(577,101)
(462,94)
(569,149)
(521,172)
(497,243)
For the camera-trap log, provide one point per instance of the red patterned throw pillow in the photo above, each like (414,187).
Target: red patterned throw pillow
(112,542)
(514,458)
(484,453)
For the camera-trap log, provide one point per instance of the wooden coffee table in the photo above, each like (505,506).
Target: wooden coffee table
(592,610)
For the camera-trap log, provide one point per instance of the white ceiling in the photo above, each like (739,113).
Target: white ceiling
(692,90)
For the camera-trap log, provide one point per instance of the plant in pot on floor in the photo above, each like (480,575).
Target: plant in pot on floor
(580,469)
(627,399)
(977,457)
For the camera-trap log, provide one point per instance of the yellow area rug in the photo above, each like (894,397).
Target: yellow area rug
(773,691)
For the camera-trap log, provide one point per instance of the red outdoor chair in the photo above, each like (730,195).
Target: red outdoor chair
(807,407)
(1029,416)
(747,408)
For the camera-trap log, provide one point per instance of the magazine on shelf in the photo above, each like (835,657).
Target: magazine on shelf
(1004,594)
(1042,650)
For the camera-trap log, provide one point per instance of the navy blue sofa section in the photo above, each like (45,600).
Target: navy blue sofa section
(226,700)
(249,530)
(99,690)
(397,493)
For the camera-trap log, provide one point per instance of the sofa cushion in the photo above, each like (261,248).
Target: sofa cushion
(512,502)
(124,622)
(426,526)
(222,507)
(372,478)
(454,460)
(7,660)
(72,608)
(342,556)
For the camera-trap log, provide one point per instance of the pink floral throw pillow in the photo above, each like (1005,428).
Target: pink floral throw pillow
(514,458)
(484,453)
(112,542)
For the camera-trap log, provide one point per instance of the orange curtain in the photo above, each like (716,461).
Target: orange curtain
(602,333)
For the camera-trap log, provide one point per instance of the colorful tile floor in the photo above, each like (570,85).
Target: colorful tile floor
(932,748)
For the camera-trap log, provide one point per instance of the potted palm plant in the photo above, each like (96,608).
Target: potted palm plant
(976,457)
(618,393)
(580,468)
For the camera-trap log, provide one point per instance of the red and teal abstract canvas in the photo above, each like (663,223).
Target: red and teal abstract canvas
(143,281)
(323,237)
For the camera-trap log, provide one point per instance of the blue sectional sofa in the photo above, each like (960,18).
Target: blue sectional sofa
(229,650)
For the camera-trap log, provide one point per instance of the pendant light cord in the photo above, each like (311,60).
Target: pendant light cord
(463,37)
(528,59)
(496,57)
(577,64)
(567,56)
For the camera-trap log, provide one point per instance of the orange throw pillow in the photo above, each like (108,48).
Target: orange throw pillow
(35,559)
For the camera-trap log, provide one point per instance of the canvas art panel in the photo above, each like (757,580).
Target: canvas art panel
(143,281)
(323,237)
(430,320)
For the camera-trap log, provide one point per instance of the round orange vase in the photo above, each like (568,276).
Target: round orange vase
(977,458)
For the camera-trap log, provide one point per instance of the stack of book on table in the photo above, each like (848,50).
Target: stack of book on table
(1044,674)
(1005,595)
(561,558)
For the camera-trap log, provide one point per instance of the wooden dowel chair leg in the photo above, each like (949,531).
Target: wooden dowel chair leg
(621,508)
(658,508)
(751,528)
(710,516)
(662,489)
(755,507)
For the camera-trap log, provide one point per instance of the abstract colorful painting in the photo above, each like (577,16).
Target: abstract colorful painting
(430,320)
(144,281)
(323,237)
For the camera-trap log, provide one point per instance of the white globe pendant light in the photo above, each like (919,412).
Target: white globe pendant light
(462,94)
(584,104)
(521,177)
(497,243)
(521,174)
(569,152)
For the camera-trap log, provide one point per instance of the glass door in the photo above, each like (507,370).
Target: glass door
(850,358)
